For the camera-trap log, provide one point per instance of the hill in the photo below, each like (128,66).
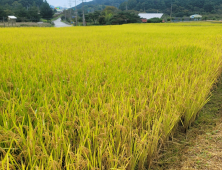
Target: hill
(24,3)
(100,4)
(25,10)
(180,8)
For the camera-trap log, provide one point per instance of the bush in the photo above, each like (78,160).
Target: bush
(154,20)
(63,17)
(102,20)
(95,24)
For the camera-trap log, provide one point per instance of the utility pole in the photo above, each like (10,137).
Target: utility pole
(171,11)
(65,14)
(76,13)
(65,11)
(83,16)
(70,12)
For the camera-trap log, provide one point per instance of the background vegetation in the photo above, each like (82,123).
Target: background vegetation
(180,8)
(25,10)
(101,11)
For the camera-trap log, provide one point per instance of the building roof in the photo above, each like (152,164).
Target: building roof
(150,15)
(196,16)
(12,17)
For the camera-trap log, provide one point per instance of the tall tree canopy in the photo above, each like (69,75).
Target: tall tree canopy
(24,3)
(45,11)
(24,10)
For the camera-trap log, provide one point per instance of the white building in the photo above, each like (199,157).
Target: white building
(196,16)
(150,15)
(12,18)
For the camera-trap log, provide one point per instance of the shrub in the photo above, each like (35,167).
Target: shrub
(154,20)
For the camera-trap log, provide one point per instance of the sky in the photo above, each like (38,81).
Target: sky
(65,3)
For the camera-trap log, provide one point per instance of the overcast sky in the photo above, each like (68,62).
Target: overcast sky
(64,2)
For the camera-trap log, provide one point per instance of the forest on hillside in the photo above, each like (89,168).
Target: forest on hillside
(20,8)
(26,10)
(180,8)
(24,3)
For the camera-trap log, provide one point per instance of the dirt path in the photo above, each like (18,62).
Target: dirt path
(201,146)
(205,151)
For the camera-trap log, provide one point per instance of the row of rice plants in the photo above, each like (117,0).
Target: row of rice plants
(101,97)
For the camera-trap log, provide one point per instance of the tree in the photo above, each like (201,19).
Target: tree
(108,16)
(33,14)
(45,11)
(110,10)
(22,9)
(87,18)
(123,6)
(125,17)
(63,17)
(102,20)
(2,13)
(132,4)
(94,16)
(154,20)
(54,11)
(208,7)
(21,13)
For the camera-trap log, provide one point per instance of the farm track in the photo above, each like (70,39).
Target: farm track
(201,146)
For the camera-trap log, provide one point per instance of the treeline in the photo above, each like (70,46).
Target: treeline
(26,10)
(108,16)
(100,4)
(180,8)
(24,3)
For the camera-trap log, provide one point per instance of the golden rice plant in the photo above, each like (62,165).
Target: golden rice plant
(101,97)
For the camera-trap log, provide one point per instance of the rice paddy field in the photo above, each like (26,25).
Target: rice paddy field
(109,97)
